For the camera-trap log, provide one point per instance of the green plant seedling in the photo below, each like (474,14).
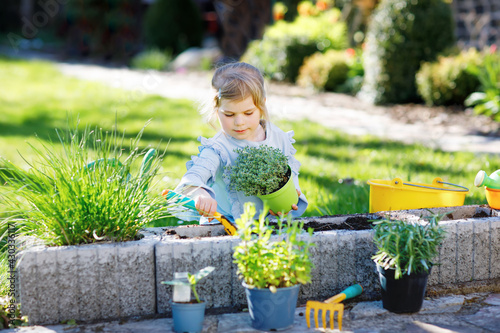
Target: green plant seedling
(264,262)
(407,247)
(192,280)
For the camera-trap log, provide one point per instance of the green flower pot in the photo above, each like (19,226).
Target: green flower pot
(282,199)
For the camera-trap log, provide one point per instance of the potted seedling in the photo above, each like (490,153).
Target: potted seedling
(272,268)
(264,172)
(188,313)
(405,251)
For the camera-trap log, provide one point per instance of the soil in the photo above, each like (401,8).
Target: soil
(351,223)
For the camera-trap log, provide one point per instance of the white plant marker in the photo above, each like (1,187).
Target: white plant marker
(182,293)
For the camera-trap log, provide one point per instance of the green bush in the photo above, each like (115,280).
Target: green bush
(402,34)
(151,59)
(324,71)
(487,100)
(285,45)
(173,25)
(448,80)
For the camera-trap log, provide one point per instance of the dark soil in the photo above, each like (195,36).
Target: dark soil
(351,223)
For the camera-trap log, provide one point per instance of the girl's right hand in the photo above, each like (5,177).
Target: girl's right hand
(206,205)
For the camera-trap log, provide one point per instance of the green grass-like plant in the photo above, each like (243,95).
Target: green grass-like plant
(407,247)
(264,262)
(63,200)
(258,170)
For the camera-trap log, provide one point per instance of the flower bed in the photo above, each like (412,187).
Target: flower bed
(120,280)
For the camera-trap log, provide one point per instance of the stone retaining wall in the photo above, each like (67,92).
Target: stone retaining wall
(107,281)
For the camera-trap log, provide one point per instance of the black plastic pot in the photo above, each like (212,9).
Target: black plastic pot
(404,295)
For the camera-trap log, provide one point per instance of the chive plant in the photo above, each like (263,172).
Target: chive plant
(407,247)
(64,199)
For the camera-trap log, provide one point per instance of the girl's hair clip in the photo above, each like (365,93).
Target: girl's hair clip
(219,95)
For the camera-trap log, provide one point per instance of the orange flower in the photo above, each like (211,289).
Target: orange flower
(350,52)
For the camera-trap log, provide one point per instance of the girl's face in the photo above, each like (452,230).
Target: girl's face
(241,119)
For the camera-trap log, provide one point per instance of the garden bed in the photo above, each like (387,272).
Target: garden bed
(105,281)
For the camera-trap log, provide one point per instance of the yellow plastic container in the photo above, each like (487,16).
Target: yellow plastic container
(395,194)
(493,197)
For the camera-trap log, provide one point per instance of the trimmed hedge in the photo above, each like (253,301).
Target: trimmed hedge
(448,81)
(324,71)
(173,25)
(285,45)
(402,34)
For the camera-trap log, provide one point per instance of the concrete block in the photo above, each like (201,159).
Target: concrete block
(365,267)
(481,249)
(465,255)
(448,254)
(182,255)
(164,272)
(28,280)
(346,260)
(87,275)
(222,258)
(495,249)
(322,283)
(69,286)
(109,293)
(136,281)
(202,257)
(238,295)
(47,286)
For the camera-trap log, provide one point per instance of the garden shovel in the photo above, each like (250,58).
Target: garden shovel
(333,305)
(187,202)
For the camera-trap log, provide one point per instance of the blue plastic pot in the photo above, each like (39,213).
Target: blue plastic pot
(270,311)
(188,317)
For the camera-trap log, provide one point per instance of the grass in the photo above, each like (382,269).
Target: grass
(335,166)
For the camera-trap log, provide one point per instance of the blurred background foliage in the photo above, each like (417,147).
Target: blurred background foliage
(389,51)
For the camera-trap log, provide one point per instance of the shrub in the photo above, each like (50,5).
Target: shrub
(487,100)
(355,74)
(258,170)
(448,81)
(324,71)
(173,25)
(151,59)
(285,45)
(402,34)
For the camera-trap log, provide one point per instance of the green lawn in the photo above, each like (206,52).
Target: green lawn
(35,99)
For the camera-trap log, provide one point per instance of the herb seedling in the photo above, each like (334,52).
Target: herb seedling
(192,280)
(266,263)
(407,247)
(258,170)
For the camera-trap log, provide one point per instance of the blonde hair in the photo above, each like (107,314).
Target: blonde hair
(236,81)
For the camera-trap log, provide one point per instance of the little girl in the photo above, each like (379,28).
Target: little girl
(239,106)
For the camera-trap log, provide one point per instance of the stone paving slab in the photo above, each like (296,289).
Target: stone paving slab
(440,315)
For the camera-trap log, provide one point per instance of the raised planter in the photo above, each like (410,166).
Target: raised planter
(96,282)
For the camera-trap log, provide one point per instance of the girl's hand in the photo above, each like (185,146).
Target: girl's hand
(206,205)
(294,207)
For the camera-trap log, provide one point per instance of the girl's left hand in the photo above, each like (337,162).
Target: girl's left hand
(294,207)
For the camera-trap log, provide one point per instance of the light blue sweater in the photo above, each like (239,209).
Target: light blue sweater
(206,169)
